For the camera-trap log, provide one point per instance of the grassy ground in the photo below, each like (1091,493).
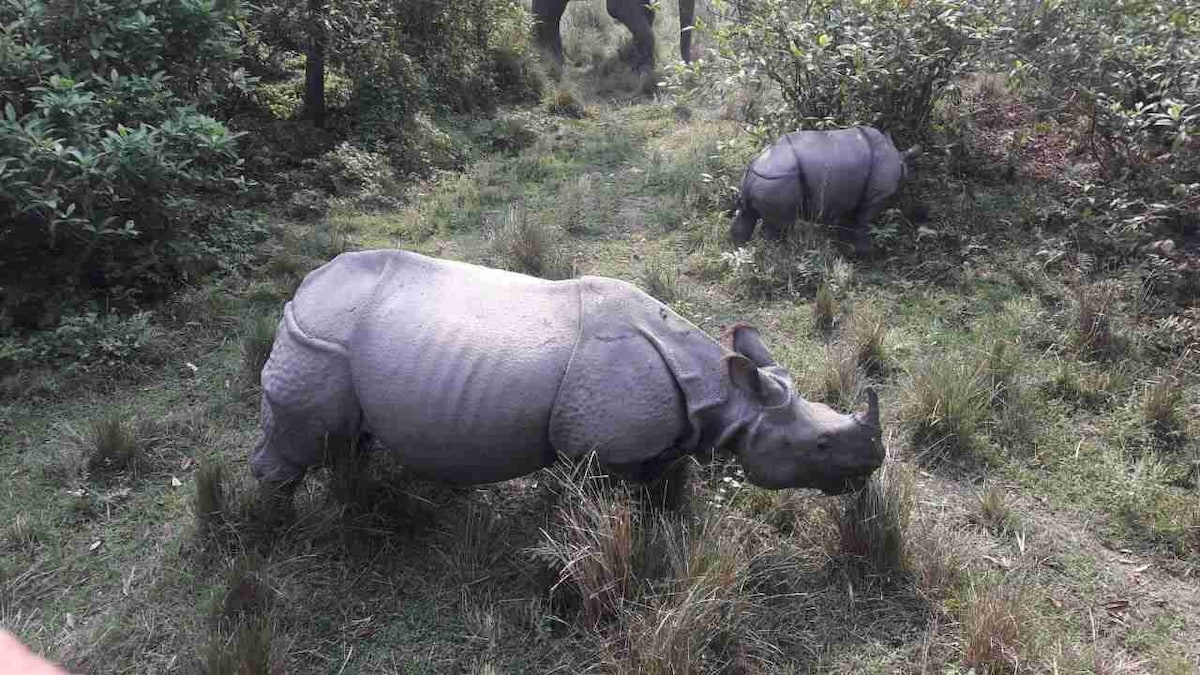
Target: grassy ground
(1039,510)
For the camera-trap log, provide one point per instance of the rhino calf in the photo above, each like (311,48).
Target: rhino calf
(475,375)
(824,176)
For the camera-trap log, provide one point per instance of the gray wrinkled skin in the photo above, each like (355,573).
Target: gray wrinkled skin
(840,177)
(475,375)
(635,15)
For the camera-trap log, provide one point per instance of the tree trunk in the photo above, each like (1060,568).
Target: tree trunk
(314,65)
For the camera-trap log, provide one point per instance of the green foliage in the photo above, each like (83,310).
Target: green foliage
(81,342)
(842,62)
(1131,69)
(101,137)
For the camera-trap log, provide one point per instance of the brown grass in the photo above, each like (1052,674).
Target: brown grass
(995,629)
(994,511)
(868,335)
(112,444)
(594,542)
(209,498)
(945,405)
(824,309)
(1160,403)
(258,336)
(842,379)
(691,622)
(872,522)
(526,245)
(1094,332)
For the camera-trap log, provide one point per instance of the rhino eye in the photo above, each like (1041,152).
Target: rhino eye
(823,444)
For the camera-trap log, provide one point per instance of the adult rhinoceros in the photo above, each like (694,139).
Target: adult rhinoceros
(823,176)
(476,375)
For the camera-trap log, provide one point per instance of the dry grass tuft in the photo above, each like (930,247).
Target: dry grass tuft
(247,592)
(210,499)
(937,557)
(244,650)
(573,205)
(945,405)
(661,280)
(1160,403)
(841,381)
(476,544)
(1094,333)
(995,628)
(526,245)
(23,532)
(691,623)
(595,542)
(994,511)
(872,522)
(112,444)
(824,309)
(563,103)
(868,333)
(258,336)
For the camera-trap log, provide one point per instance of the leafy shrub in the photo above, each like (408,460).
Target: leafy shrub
(101,134)
(1131,71)
(81,342)
(842,62)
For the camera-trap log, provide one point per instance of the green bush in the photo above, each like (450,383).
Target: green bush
(1129,71)
(843,62)
(101,135)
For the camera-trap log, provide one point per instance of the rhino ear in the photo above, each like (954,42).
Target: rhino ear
(746,340)
(746,376)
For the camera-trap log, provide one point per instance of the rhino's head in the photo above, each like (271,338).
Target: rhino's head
(786,441)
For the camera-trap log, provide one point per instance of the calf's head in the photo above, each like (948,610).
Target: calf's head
(786,441)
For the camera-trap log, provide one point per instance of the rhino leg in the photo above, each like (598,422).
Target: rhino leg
(742,227)
(308,398)
(662,481)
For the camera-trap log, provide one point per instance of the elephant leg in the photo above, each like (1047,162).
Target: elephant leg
(687,19)
(637,16)
(547,17)
(308,401)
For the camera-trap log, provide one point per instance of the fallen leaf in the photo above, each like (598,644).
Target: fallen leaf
(191,366)
(1056,602)
(187,461)
(175,482)
(95,545)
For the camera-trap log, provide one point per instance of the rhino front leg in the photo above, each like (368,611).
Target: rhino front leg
(742,227)
(308,397)
(861,236)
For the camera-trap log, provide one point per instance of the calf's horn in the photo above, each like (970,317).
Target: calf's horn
(872,416)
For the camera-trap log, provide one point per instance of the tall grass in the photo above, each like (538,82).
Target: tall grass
(258,336)
(872,522)
(945,405)
(524,244)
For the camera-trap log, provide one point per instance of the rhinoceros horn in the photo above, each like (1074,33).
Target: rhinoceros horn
(871,418)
